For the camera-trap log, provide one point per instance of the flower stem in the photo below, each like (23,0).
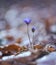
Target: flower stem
(28,36)
(33,41)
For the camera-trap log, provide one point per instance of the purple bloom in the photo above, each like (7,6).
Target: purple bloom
(33,29)
(27,21)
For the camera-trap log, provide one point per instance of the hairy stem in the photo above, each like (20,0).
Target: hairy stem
(28,36)
(33,41)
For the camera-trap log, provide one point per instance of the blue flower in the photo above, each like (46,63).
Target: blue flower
(27,21)
(33,29)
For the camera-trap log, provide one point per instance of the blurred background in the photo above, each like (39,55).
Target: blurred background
(13,12)
(13,29)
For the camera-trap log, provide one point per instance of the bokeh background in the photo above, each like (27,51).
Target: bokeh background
(13,13)
(13,29)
